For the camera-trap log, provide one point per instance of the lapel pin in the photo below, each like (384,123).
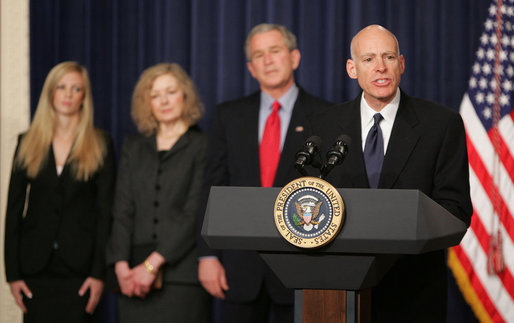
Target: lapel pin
(298,129)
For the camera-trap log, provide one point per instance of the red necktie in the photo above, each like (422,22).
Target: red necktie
(269,150)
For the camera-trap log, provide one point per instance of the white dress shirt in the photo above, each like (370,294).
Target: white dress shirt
(388,113)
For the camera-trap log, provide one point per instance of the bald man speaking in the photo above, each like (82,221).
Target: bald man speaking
(400,142)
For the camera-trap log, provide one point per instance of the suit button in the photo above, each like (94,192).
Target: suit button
(155,220)
(159,171)
(156,203)
(157,187)
(55,245)
(154,236)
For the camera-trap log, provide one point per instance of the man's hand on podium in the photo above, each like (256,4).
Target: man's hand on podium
(212,276)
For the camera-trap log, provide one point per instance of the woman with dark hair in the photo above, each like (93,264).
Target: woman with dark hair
(59,204)
(153,240)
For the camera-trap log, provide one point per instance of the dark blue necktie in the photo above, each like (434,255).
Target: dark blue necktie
(374,152)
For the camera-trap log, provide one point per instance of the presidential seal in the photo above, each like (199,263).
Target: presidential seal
(309,212)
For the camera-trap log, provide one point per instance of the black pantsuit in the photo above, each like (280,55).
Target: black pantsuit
(63,232)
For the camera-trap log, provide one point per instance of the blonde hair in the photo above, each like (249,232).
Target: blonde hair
(141,110)
(88,150)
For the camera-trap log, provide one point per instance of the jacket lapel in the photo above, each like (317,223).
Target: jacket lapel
(353,164)
(404,137)
(181,143)
(50,168)
(294,139)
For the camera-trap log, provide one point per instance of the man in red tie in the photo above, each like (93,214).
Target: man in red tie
(252,142)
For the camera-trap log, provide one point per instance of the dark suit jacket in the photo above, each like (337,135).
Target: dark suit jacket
(233,160)
(156,202)
(426,151)
(64,217)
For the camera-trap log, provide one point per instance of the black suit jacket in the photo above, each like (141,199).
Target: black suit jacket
(233,160)
(426,151)
(156,203)
(65,218)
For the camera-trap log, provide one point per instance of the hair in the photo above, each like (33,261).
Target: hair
(141,108)
(88,149)
(289,37)
(352,54)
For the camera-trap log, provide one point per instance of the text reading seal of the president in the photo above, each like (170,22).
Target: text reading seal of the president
(309,212)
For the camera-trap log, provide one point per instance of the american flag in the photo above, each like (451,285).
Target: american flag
(483,263)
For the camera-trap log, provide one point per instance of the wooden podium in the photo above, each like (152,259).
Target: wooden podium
(380,226)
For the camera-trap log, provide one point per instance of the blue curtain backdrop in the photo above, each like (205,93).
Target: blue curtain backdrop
(117,39)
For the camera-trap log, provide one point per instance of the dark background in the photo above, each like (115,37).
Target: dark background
(117,39)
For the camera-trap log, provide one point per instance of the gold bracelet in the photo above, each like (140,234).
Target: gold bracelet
(150,268)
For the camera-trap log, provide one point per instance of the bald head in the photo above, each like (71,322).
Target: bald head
(377,65)
(372,31)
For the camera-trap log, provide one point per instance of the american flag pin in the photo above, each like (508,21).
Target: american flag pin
(298,129)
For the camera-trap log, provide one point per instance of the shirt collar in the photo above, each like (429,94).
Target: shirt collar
(388,112)
(286,101)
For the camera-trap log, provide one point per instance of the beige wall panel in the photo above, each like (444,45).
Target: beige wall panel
(14,116)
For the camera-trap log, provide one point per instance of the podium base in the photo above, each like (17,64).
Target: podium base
(337,306)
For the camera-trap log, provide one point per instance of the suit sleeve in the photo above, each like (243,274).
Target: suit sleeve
(104,182)
(180,234)
(14,218)
(118,247)
(216,174)
(451,181)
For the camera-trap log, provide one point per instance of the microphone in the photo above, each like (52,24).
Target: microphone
(305,156)
(336,154)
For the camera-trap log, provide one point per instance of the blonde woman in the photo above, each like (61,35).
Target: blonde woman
(59,204)
(153,240)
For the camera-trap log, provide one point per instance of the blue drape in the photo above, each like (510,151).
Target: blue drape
(117,39)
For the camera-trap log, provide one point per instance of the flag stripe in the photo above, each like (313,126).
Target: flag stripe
(485,179)
(456,260)
(505,156)
(506,127)
(489,310)
(478,228)
(483,215)
(489,288)
(480,139)
(481,233)
(483,238)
